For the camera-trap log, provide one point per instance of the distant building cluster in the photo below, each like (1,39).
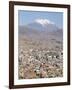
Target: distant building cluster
(40,63)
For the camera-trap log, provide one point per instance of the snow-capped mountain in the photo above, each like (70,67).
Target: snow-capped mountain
(41,28)
(43,25)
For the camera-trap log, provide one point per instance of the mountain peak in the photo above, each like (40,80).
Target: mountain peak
(44,25)
(44,21)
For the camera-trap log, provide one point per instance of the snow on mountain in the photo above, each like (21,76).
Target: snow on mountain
(44,21)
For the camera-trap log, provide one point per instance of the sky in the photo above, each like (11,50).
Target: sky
(26,17)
